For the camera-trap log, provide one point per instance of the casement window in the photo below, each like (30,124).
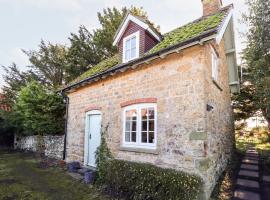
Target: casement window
(215,64)
(131,47)
(140,126)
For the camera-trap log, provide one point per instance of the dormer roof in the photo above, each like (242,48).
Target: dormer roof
(139,21)
(211,27)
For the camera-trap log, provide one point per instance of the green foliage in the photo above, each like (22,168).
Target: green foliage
(14,81)
(243,103)
(146,181)
(103,155)
(189,31)
(257,54)
(40,110)
(49,63)
(82,53)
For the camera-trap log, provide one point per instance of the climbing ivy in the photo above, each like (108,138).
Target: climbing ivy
(103,155)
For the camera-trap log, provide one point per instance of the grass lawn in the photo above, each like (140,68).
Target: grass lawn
(22,179)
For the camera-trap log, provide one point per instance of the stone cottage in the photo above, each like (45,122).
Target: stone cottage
(164,99)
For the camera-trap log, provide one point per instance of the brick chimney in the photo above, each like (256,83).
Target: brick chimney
(211,6)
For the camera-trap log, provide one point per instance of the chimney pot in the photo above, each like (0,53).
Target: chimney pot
(211,6)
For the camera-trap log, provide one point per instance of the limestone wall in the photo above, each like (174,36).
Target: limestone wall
(54,145)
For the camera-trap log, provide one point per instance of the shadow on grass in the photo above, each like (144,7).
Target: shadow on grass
(21,178)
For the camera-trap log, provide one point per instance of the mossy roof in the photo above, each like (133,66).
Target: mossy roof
(100,67)
(170,39)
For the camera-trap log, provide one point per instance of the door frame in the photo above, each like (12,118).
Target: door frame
(86,131)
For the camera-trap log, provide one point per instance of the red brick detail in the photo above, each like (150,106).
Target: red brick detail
(138,101)
(211,6)
(90,108)
(4,106)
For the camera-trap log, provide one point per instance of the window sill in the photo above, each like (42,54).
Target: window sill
(139,150)
(217,85)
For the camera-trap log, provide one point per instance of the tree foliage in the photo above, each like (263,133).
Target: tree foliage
(49,63)
(256,55)
(14,80)
(40,110)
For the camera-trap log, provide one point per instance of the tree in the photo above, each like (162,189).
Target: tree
(257,54)
(49,63)
(41,111)
(82,53)
(14,81)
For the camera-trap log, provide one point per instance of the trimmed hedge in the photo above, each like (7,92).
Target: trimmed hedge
(146,181)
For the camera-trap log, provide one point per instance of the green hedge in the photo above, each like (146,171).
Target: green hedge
(145,181)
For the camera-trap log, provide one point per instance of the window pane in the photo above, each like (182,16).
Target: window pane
(131,115)
(144,137)
(144,125)
(133,53)
(151,137)
(128,54)
(127,44)
(134,126)
(151,126)
(133,135)
(133,42)
(144,114)
(151,113)
(127,136)
(128,126)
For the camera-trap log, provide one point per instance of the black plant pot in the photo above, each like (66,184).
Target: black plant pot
(73,166)
(89,177)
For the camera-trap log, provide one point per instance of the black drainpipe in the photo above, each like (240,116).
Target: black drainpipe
(66,122)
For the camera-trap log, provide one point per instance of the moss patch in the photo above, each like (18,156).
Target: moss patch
(99,68)
(189,31)
(24,180)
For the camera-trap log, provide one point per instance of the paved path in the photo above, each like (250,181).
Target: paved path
(248,181)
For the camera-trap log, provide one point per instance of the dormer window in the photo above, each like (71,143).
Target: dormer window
(131,47)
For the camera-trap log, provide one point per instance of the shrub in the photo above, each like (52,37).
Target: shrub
(103,155)
(146,181)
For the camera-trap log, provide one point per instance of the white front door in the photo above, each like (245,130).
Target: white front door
(92,137)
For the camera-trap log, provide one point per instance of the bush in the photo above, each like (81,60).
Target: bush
(146,181)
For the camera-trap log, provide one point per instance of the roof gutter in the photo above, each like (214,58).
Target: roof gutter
(206,36)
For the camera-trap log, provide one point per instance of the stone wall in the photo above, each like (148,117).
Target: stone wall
(54,145)
(189,138)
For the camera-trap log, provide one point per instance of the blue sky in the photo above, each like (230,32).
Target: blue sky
(25,22)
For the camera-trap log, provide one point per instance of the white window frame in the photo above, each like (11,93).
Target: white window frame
(137,36)
(138,143)
(215,64)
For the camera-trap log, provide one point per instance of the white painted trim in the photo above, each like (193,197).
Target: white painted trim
(137,21)
(224,27)
(234,83)
(215,64)
(86,144)
(137,35)
(138,143)
(230,51)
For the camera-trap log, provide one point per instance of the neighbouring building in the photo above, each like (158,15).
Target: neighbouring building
(4,106)
(164,99)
